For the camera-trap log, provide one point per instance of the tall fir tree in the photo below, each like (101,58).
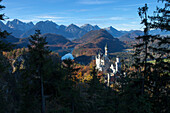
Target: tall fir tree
(70,100)
(95,93)
(3,46)
(38,51)
(7,83)
(160,20)
(154,75)
(158,82)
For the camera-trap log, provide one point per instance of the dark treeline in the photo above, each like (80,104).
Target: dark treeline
(37,81)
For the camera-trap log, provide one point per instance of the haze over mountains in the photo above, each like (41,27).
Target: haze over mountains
(21,29)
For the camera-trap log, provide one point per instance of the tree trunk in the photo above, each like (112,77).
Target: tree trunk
(42,92)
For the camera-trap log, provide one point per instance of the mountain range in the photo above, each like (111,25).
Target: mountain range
(21,29)
(88,39)
(89,44)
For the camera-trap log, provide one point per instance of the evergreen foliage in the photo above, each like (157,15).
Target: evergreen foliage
(155,77)
(160,20)
(7,83)
(158,83)
(38,53)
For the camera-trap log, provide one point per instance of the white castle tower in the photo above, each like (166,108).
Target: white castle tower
(106,50)
(117,64)
(98,62)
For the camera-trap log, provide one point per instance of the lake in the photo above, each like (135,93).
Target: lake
(67,56)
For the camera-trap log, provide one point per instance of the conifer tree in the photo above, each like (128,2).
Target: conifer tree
(110,101)
(7,81)
(142,54)
(130,100)
(133,97)
(158,83)
(3,46)
(38,51)
(1,15)
(3,34)
(69,85)
(95,93)
(154,76)
(160,20)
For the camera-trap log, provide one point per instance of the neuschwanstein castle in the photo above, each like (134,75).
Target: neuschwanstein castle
(104,64)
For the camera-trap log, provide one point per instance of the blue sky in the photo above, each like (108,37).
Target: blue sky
(121,14)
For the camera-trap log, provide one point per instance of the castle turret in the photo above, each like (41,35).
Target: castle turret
(98,62)
(106,50)
(117,63)
(117,60)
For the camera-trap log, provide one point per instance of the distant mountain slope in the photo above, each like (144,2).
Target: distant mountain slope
(135,33)
(114,32)
(3,26)
(158,31)
(75,31)
(55,42)
(10,39)
(94,35)
(54,39)
(131,36)
(95,41)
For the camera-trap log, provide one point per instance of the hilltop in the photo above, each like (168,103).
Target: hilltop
(94,41)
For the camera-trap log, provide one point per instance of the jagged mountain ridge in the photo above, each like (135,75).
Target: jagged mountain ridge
(19,25)
(88,27)
(21,29)
(15,32)
(43,26)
